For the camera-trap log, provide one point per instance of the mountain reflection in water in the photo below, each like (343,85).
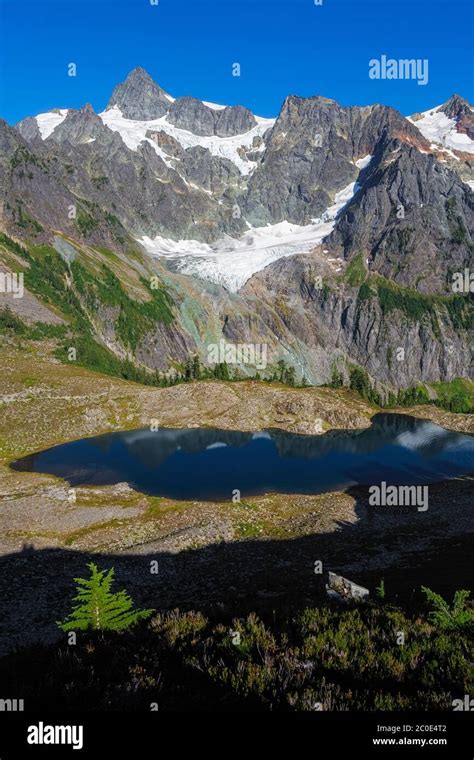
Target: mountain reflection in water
(210,464)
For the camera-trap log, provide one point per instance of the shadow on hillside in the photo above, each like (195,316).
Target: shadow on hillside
(271,577)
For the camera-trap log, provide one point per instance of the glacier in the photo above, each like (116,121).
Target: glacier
(230,262)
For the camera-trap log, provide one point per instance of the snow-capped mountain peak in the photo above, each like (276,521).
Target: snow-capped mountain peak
(450,125)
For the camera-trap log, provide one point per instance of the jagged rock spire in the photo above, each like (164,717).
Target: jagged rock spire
(139,97)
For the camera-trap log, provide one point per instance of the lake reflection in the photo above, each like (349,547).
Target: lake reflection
(209,464)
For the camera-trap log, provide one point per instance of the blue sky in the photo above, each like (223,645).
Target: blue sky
(188,46)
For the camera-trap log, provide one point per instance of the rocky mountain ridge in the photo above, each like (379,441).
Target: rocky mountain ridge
(315,216)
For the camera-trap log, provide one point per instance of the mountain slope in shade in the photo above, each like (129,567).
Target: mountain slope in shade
(412,218)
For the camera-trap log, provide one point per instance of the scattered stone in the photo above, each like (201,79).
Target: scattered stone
(343,590)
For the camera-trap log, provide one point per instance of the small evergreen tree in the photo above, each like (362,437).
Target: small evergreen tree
(380,590)
(392,399)
(196,367)
(401,398)
(188,368)
(422,395)
(359,382)
(337,379)
(290,376)
(450,618)
(100,609)
(221,371)
(280,370)
(459,402)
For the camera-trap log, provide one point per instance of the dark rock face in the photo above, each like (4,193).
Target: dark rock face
(305,160)
(191,114)
(323,327)
(194,116)
(233,120)
(466,125)
(139,97)
(455,108)
(216,175)
(110,187)
(164,141)
(137,189)
(311,153)
(147,196)
(28,128)
(34,200)
(413,218)
(78,127)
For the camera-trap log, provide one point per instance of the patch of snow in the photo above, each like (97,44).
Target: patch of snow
(439,129)
(263,121)
(47,122)
(133,133)
(231,262)
(470,183)
(196,187)
(214,106)
(361,163)
(450,153)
